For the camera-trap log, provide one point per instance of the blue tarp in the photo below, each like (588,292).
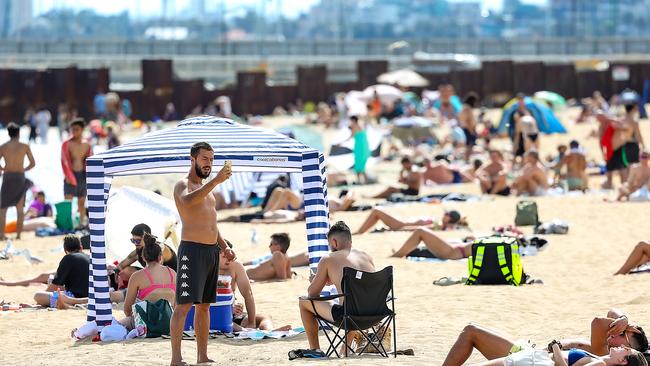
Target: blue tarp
(547,122)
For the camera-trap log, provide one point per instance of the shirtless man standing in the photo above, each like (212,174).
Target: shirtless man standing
(625,143)
(14,183)
(198,252)
(638,178)
(74,153)
(576,165)
(493,176)
(278,266)
(408,176)
(330,270)
(533,180)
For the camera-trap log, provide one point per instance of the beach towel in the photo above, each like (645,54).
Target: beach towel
(14,187)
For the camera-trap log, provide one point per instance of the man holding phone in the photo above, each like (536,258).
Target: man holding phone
(198,252)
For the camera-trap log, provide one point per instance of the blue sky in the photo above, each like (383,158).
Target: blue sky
(290,8)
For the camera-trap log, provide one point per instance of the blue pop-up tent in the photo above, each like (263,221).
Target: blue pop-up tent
(547,122)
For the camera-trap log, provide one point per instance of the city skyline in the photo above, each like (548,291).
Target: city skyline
(152,8)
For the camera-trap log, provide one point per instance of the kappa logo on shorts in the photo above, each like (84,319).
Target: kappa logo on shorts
(184,284)
(185,258)
(184,267)
(185,294)
(184,275)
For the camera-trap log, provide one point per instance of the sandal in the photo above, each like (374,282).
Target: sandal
(306,353)
(448,281)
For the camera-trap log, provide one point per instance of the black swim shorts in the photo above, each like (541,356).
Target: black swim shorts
(198,272)
(337,313)
(80,189)
(409,191)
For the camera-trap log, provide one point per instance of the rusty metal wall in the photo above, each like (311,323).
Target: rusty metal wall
(561,79)
(250,94)
(368,70)
(312,83)
(528,77)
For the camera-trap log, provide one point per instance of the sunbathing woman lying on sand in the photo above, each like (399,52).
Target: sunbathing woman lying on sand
(640,255)
(286,199)
(612,337)
(450,220)
(436,247)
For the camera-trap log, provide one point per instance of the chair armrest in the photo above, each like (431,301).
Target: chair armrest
(321,298)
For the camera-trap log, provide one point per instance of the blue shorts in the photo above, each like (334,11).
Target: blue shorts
(54,298)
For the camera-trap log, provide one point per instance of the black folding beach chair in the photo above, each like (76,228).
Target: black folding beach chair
(369,305)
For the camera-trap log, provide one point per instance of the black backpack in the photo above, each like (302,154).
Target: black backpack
(496,260)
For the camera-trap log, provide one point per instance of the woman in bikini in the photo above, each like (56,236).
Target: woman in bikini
(436,247)
(152,283)
(577,357)
(450,220)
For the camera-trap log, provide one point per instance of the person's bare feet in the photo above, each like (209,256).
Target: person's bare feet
(179,363)
(204,362)
(283,329)
(60,303)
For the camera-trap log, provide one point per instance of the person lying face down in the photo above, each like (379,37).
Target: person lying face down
(278,266)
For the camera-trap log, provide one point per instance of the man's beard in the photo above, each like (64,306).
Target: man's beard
(199,172)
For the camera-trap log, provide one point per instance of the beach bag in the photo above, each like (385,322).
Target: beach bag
(495,260)
(526,213)
(155,317)
(529,357)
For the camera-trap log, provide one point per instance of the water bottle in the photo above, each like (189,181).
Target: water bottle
(253,236)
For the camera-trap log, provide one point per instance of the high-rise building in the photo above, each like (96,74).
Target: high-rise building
(14,15)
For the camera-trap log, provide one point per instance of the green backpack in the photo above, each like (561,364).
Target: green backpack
(495,260)
(526,214)
(155,317)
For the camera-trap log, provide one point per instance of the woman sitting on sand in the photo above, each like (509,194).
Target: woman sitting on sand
(436,247)
(640,255)
(152,283)
(450,220)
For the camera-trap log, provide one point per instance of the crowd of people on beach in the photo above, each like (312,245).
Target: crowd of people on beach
(187,276)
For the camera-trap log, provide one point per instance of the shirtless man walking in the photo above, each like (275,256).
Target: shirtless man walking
(198,252)
(74,153)
(330,270)
(533,180)
(14,183)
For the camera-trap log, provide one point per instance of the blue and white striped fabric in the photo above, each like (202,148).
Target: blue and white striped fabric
(251,149)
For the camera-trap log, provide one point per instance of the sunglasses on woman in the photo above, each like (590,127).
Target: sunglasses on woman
(136,241)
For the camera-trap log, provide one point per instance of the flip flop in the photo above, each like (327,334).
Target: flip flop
(448,281)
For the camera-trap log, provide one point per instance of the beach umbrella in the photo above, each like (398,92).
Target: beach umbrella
(547,122)
(555,99)
(386,93)
(413,121)
(403,77)
(356,103)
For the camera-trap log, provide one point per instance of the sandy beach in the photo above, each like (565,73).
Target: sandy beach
(576,270)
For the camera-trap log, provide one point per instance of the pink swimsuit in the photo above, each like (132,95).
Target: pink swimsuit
(144,292)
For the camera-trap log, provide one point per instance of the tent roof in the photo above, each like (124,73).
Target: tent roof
(167,151)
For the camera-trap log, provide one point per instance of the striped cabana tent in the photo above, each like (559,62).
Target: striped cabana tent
(251,149)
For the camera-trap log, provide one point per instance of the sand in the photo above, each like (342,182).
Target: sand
(576,269)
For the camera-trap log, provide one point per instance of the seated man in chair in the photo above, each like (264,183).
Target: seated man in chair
(330,271)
